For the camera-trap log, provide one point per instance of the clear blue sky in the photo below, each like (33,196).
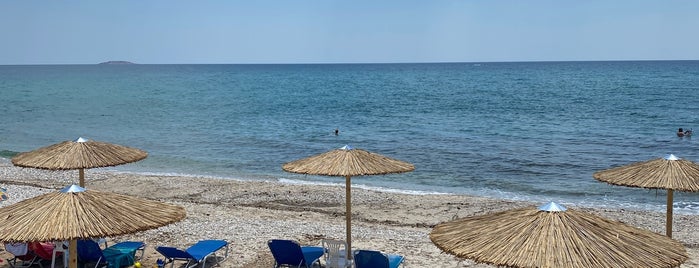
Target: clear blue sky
(328,31)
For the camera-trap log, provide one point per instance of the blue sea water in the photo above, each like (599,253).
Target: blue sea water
(523,131)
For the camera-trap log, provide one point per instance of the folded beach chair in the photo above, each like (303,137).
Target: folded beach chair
(376,259)
(196,254)
(26,255)
(335,253)
(289,253)
(22,256)
(115,256)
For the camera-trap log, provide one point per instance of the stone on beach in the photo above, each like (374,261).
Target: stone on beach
(248,213)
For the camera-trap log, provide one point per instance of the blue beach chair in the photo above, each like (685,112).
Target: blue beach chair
(376,259)
(130,245)
(118,255)
(196,254)
(288,253)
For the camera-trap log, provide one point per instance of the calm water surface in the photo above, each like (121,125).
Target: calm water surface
(524,131)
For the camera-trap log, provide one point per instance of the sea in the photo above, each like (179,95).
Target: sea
(523,131)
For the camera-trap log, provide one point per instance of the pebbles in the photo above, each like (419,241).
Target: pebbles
(248,213)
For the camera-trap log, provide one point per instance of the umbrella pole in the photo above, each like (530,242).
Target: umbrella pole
(668,223)
(73,253)
(348,215)
(82,177)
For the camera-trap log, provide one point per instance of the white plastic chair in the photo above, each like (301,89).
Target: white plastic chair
(336,253)
(60,246)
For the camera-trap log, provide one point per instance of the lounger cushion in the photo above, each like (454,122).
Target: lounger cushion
(203,248)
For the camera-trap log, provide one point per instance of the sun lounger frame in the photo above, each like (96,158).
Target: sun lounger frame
(172,254)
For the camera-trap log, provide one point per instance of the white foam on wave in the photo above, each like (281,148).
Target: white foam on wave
(176,174)
(680,207)
(360,186)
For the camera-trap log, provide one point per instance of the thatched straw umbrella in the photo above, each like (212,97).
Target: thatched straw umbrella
(670,172)
(79,154)
(551,236)
(348,162)
(75,213)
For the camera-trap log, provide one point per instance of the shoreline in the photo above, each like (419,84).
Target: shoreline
(248,213)
(659,205)
(652,202)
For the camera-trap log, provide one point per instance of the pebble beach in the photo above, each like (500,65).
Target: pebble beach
(248,213)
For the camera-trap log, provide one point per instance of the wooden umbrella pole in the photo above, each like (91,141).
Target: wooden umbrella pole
(73,253)
(348,215)
(668,223)
(82,177)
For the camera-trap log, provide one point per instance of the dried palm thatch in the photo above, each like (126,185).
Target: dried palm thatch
(670,172)
(79,154)
(75,213)
(531,237)
(348,162)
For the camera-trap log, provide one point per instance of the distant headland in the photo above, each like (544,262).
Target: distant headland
(113,62)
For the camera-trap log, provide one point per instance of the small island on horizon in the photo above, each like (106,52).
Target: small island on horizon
(115,62)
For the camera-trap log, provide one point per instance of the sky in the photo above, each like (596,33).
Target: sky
(351,31)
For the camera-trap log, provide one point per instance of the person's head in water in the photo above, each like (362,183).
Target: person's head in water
(337,131)
(680,132)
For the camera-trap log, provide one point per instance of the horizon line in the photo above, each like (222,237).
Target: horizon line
(346,63)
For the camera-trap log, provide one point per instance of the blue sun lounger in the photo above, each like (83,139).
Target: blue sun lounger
(118,255)
(196,254)
(376,259)
(289,253)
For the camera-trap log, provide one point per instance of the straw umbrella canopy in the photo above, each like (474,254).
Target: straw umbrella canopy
(670,172)
(79,154)
(75,213)
(348,162)
(553,236)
